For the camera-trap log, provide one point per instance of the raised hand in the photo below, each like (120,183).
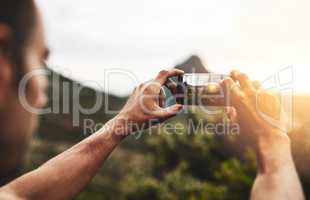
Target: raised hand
(277,177)
(146,102)
(253,105)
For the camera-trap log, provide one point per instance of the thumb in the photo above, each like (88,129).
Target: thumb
(168,112)
(231,114)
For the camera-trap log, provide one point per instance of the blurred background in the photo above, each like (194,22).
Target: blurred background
(142,37)
(258,37)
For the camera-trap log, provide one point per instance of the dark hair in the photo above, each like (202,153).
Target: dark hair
(19,15)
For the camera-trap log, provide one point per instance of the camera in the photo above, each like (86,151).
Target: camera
(201,89)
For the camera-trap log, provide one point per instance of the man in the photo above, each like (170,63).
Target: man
(23,50)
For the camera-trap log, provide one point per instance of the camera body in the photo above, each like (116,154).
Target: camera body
(201,89)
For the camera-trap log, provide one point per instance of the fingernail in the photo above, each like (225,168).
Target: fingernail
(175,108)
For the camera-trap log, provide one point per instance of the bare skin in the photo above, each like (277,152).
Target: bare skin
(66,175)
(75,168)
(16,124)
(277,178)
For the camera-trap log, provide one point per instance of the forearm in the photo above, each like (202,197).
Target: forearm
(277,177)
(67,174)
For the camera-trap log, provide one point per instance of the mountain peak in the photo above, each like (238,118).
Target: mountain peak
(192,65)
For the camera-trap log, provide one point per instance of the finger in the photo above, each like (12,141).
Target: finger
(242,78)
(231,114)
(171,85)
(229,86)
(165,74)
(161,98)
(232,91)
(256,84)
(167,112)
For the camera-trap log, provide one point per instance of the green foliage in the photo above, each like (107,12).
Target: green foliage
(166,164)
(190,166)
(162,164)
(170,166)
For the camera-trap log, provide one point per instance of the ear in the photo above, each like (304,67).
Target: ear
(5,64)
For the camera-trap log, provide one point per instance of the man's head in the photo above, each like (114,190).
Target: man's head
(22,50)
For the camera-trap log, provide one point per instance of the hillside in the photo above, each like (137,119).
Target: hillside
(167,164)
(58,125)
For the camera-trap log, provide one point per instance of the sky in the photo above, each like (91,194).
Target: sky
(116,44)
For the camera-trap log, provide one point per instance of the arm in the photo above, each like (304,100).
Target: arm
(277,177)
(66,175)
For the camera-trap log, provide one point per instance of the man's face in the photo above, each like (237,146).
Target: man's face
(36,56)
(19,119)
(17,124)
